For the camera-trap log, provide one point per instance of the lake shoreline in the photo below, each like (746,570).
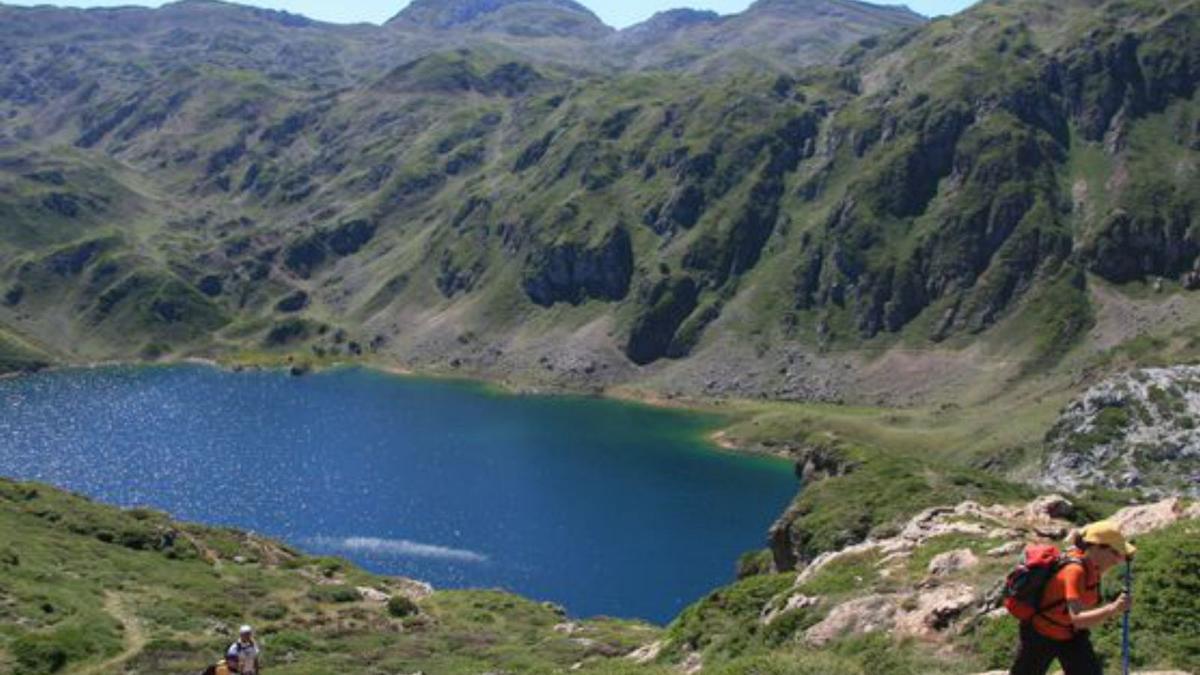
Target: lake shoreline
(720,440)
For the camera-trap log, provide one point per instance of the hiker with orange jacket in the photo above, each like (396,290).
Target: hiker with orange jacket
(1070,605)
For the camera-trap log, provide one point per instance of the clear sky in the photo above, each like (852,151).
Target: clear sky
(619,13)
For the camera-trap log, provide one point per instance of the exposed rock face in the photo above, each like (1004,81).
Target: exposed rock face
(573,273)
(664,306)
(1135,246)
(1137,430)
(293,303)
(306,255)
(944,604)
(869,614)
(1135,520)
(934,611)
(968,518)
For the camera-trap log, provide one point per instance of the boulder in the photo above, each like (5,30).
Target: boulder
(952,561)
(934,610)
(1135,520)
(369,594)
(1049,507)
(869,614)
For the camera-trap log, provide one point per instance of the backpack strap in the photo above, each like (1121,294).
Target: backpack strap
(1043,611)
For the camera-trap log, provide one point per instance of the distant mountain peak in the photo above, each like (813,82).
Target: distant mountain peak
(668,23)
(541,17)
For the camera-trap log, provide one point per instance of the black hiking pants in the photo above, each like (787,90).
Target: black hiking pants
(1037,652)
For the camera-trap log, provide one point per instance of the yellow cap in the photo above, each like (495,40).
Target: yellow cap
(1108,533)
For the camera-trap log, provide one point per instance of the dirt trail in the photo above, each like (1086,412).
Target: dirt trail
(135,637)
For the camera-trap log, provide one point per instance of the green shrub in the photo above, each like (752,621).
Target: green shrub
(271,612)
(995,640)
(726,622)
(399,606)
(337,593)
(754,563)
(38,653)
(291,641)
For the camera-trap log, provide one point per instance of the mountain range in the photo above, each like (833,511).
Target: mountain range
(698,205)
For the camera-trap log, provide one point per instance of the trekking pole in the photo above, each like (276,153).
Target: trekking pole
(1125,647)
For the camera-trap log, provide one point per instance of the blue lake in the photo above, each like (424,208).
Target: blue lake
(604,507)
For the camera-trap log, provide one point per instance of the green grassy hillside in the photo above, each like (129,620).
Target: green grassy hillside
(89,588)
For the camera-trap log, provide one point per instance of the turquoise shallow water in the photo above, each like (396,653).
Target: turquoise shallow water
(604,507)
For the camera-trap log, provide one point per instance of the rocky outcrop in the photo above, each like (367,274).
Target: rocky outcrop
(924,615)
(968,518)
(1134,245)
(1136,430)
(573,272)
(663,307)
(873,613)
(928,614)
(304,256)
(294,302)
(949,599)
(1135,520)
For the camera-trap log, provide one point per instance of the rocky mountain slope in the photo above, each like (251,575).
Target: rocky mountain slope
(207,179)
(1135,430)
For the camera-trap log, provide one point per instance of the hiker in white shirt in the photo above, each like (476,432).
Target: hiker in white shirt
(246,653)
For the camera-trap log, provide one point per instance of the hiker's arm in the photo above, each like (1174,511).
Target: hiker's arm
(1084,619)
